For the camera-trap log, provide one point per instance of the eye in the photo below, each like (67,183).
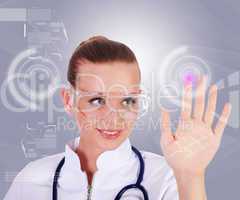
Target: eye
(97,101)
(129,101)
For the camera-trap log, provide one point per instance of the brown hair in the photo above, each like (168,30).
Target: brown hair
(98,49)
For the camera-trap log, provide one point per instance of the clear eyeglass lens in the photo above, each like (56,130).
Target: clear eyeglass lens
(126,105)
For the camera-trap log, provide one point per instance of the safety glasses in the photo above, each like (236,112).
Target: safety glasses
(94,103)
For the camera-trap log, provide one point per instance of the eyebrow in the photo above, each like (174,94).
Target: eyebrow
(102,93)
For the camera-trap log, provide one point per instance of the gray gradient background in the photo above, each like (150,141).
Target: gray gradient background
(152,29)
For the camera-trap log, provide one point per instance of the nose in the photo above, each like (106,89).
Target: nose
(111,113)
(112,118)
(114,103)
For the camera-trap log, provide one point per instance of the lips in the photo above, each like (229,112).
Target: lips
(109,134)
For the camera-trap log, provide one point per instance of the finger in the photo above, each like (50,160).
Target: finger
(166,133)
(187,102)
(200,99)
(222,122)
(211,107)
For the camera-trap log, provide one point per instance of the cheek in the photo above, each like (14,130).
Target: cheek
(131,120)
(85,122)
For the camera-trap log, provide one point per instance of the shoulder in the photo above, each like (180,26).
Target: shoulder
(35,174)
(40,171)
(154,159)
(159,177)
(157,166)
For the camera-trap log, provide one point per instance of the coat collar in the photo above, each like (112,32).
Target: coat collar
(109,162)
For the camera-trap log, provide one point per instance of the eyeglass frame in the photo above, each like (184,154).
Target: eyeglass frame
(78,92)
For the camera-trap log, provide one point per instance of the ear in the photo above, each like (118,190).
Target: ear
(67,100)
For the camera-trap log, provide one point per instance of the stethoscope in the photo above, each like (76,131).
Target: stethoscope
(136,185)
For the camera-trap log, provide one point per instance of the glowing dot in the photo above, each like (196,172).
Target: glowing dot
(190,78)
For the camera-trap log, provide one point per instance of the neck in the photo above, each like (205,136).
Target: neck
(88,155)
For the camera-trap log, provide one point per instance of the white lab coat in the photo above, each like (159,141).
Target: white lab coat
(116,169)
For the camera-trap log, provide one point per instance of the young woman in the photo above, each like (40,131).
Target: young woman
(101,164)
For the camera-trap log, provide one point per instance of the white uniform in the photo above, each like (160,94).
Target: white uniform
(116,169)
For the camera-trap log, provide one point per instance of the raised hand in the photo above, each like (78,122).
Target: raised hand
(196,141)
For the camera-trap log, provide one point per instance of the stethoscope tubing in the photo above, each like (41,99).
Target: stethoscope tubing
(136,185)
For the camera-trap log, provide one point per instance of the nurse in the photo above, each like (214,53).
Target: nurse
(101,164)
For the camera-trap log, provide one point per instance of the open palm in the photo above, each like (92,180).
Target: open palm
(196,141)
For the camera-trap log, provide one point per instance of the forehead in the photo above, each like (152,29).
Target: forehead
(113,77)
